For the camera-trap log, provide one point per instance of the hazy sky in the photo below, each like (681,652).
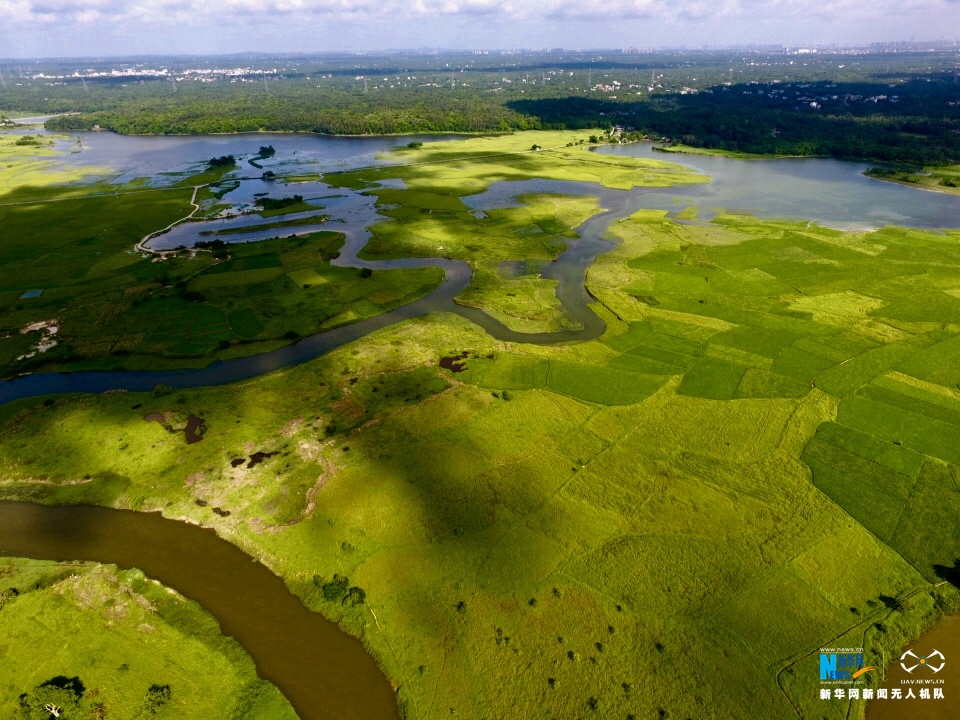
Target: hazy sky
(43,28)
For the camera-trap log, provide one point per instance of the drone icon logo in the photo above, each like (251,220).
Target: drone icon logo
(927,661)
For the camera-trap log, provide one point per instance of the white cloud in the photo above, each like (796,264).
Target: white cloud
(37,28)
(201,12)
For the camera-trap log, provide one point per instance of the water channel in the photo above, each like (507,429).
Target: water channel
(321,670)
(325,673)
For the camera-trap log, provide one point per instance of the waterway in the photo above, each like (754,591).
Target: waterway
(831,192)
(322,671)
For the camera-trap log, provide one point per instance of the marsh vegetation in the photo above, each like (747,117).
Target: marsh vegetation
(768,422)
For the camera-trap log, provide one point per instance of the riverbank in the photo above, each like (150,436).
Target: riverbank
(934,672)
(945,179)
(321,670)
(463,503)
(681,149)
(125,645)
(545,527)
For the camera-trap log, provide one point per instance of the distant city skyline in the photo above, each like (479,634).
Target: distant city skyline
(98,28)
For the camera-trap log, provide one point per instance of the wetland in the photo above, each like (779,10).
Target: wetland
(751,344)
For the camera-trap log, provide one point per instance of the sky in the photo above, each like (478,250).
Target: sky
(100,28)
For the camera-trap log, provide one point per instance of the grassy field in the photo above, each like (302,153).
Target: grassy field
(739,471)
(427,225)
(31,160)
(429,219)
(467,167)
(757,459)
(681,149)
(137,649)
(68,256)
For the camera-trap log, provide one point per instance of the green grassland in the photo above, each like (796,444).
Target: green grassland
(428,218)
(427,225)
(121,635)
(298,222)
(945,178)
(681,149)
(120,309)
(467,167)
(26,164)
(756,459)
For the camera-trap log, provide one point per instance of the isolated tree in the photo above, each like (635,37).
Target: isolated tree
(157,696)
(58,697)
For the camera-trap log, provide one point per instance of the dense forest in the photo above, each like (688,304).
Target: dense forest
(895,107)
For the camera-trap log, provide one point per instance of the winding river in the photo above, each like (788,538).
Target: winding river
(322,671)
(325,673)
(831,192)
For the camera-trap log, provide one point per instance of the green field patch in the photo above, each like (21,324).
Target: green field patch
(599,384)
(120,634)
(923,307)
(245,323)
(845,379)
(258,261)
(712,379)
(944,397)
(520,557)
(14,345)
(288,210)
(386,296)
(308,277)
(508,371)
(238,277)
(938,363)
(317,219)
(766,315)
(800,364)
(421,200)
(918,432)
(811,614)
(873,495)
(754,340)
(929,531)
(113,263)
(883,452)
(840,305)
(640,364)
(364,307)
(835,348)
(919,405)
(341,318)
(757,383)
(737,356)
(667,357)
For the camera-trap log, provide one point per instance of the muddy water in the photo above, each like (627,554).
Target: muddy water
(944,637)
(323,672)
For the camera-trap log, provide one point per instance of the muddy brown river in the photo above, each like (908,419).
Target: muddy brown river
(944,637)
(323,672)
